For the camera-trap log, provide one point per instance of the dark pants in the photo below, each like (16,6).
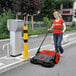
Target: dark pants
(57,42)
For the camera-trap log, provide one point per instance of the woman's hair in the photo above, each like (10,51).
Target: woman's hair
(56,12)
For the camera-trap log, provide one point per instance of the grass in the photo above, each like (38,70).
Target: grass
(36,31)
(4,36)
(69,28)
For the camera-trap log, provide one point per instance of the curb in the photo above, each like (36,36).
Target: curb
(7,67)
(34,36)
(21,37)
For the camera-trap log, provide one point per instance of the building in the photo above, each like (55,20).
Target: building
(68,12)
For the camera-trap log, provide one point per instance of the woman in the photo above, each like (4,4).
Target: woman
(58,24)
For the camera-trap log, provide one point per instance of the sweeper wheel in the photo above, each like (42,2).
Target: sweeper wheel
(57,58)
(33,61)
(49,64)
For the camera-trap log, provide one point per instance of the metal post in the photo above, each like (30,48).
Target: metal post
(25,42)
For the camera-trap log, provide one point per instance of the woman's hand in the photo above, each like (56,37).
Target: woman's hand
(49,29)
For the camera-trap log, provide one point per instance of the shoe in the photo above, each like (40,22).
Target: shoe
(61,55)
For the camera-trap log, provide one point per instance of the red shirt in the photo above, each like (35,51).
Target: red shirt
(58,26)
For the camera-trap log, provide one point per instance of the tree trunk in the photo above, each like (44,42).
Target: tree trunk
(32,23)
(26,19)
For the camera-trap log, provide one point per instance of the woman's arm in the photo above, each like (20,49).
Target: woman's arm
(51,27)
(64,27)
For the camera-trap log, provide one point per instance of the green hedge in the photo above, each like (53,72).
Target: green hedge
(4,33)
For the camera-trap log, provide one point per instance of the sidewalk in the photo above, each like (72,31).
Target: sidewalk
(7,63)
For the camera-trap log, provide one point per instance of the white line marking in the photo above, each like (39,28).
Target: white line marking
(1,64)
(38,47)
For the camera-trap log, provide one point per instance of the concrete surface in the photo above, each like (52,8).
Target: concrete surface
(7,63)
(65,67)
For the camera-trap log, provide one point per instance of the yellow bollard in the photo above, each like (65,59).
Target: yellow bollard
(25,55)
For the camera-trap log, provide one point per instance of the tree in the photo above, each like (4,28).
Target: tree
(5,5)
(50,6)
(30,8)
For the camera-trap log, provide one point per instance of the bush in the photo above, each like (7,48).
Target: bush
(3,23)
(47,22)
(71,27)
(73,24)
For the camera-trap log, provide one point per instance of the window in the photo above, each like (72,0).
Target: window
(67,18)
(67,5)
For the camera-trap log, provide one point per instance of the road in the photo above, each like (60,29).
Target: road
(32,42)
(66,66)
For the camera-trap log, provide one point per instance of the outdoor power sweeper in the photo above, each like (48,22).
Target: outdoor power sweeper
(45,58)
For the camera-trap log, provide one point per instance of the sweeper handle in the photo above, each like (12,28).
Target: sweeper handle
(41,43)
